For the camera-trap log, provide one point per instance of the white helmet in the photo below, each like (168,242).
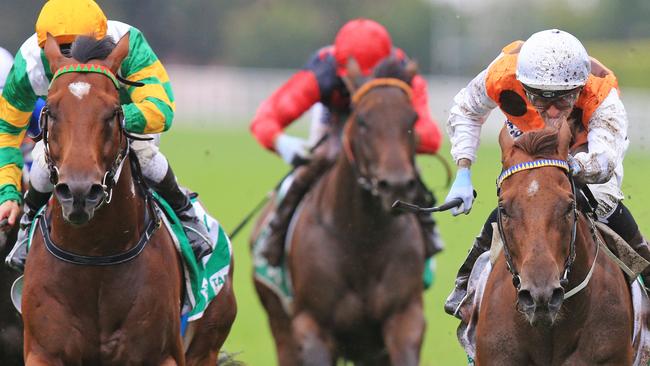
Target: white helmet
(6,62)
(553,60)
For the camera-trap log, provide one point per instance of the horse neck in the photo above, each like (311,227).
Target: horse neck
(585,254)
(114,228)
(349,205)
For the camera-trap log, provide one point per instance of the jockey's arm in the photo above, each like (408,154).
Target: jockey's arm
(16,105)
(606,140)
(426,129)
(471,107)
(284,106)
(152,106)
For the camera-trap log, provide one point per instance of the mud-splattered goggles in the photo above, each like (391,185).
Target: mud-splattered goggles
(543,99)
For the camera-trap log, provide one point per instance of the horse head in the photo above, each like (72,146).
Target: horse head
(537,219)
(379,140)
(82,129)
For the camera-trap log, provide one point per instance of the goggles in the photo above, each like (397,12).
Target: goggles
(543,99)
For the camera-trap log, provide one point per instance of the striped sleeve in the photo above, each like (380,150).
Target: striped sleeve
(152,106)
(16,105)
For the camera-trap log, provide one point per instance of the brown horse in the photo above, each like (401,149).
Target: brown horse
(356,266)
(550,250)
(125,311)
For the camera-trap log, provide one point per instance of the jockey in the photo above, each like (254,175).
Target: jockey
(147,110)
(536,83)
(321,83)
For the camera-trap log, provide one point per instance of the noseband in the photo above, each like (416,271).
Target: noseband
(366,182)
(568,262)
(112,175)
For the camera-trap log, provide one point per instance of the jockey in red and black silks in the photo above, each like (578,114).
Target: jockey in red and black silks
(321,82)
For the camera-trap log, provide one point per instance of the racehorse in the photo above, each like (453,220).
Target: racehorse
(356,266)
(568,305)
(103,280)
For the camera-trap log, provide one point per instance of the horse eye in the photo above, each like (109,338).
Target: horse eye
(363,126)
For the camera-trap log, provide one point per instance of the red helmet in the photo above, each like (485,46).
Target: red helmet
(365,40)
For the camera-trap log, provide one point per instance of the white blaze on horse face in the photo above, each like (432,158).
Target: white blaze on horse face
(79,89)
(533,188)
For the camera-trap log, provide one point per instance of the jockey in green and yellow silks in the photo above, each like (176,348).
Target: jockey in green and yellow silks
(148,109)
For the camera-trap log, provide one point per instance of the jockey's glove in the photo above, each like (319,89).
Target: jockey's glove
(293,150)
(463,189)
(575,166)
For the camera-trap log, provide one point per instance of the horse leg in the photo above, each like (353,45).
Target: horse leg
(213,328)
(403,333)
(315,345)
(280,325)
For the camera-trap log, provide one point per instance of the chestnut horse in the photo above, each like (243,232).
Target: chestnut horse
(568,305)
(356,265)
(123,306)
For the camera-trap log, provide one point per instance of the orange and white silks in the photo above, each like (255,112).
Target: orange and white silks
(505,90)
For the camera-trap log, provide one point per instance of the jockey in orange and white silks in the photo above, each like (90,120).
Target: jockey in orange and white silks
(550,66)
(148,109)
(536,83)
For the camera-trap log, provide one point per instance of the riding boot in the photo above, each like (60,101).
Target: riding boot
(34,200)
(482,244)
(194,228)
(303,178)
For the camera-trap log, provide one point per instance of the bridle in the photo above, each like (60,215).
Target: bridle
(364,180)
(109,181)
(112,175)
(541,163)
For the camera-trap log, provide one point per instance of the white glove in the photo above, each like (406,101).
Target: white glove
(292,149)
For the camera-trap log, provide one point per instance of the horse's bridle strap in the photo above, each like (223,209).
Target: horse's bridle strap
(531,165)
(374,83)
(86,68)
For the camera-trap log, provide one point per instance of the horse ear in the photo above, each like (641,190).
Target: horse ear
(506,142)
(53,53)
(411,70)
(119,53)
(354,78)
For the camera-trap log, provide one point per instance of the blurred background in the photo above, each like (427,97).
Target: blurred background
(224,57)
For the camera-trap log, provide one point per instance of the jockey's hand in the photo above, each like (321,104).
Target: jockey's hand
(293,150)
(575,166)
(9,210)
(463,189)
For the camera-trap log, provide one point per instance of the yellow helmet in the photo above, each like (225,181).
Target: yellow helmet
(67,19)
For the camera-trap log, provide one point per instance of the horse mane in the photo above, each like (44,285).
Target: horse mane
(392,67)
(540,143)
(86,48)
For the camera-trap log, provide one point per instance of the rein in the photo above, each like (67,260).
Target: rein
(366,183)
(516,279)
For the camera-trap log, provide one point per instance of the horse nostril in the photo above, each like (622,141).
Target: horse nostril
(525,299)
(556,298)
(96,193)
(383,185)
(63,192)
(410,185)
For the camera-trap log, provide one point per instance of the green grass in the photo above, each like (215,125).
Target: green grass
(232,173)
